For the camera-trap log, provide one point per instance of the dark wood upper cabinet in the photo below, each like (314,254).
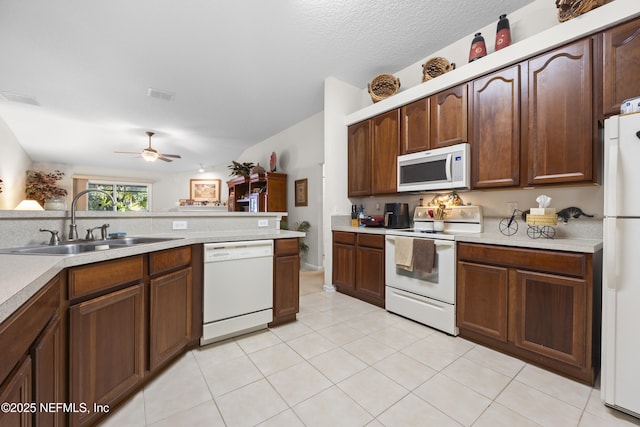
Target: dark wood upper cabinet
(495,131)
(620,65)
(449,117)
(359,159)
(561,132)
(414,134)
(385,137)
(436,121)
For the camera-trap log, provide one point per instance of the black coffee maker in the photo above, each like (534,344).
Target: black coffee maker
(396,215)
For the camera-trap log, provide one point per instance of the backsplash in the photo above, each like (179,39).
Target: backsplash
(583,228)
(590,198)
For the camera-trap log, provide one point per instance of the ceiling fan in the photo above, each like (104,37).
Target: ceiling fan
(150,154)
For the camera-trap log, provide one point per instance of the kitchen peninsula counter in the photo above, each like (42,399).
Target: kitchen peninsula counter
(21,276)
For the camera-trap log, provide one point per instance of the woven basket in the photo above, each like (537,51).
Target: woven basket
(435,67)
(568,9)
(383,86)
(549,219)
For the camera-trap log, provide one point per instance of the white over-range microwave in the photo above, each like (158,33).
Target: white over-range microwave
(443,168)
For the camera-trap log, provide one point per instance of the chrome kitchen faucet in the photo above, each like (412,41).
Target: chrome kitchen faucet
(73,228)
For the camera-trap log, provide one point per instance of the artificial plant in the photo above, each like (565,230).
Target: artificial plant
(41,186)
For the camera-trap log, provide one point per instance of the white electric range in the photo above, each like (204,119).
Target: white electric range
(429,298)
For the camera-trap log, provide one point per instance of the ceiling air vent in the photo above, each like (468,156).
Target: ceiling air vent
(162,94)
(14,97)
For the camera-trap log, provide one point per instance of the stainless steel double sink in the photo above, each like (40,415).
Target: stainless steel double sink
(83,246)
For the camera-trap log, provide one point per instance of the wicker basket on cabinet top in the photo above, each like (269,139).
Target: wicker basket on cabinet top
(568,9)
(383,86)
(435,67)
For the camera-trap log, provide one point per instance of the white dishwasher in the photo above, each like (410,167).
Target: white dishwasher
(238,288)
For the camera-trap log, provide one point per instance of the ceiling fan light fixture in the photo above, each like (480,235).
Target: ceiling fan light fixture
(149,156)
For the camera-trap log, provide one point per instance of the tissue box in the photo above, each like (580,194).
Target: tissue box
(542,211)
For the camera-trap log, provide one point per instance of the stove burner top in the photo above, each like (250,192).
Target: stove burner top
(416,230)
(422,233)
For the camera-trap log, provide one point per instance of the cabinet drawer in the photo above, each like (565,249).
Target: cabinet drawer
(371,240)
(565,263)
(170,259)
(94,278)
(344,237)
(286,246)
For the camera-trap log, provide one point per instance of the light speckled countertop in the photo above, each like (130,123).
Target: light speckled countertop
(21,276)
(570,244)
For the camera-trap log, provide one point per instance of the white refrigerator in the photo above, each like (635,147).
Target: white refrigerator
(620,378)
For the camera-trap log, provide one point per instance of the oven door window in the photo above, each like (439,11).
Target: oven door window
(419,275)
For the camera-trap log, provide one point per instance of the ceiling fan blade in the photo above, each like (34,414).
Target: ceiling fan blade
(175,156)
(165,159)
(127,152)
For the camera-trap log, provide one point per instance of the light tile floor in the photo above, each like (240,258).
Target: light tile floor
(348,363)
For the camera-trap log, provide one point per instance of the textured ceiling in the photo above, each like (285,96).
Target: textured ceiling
(241,70)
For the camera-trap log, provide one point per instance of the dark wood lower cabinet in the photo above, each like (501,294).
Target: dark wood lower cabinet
(539,305)
(18,390)
(97,332)
(128,318)
(48,362)
(344,261)
(482,300)
(32,359)
(370,273)
(170,306)
(550,316)
(107,349)
(358,265)
(286,281)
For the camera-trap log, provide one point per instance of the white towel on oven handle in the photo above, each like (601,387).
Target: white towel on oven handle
(404,253)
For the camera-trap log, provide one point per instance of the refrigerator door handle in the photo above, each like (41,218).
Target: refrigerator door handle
(612,179)
(610,260)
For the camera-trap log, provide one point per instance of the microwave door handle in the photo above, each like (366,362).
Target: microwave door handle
(448,167)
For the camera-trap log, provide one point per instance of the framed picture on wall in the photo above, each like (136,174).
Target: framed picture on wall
(301,192)
(205,190)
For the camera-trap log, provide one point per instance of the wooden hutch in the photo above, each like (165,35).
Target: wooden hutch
(260,192)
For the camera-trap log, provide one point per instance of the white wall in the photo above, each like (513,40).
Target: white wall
(524,22)
(299,152)
(339,99)
(14,163)
(169,188)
